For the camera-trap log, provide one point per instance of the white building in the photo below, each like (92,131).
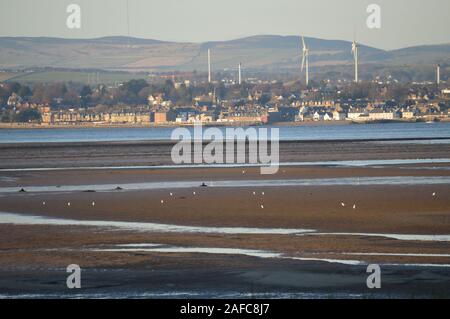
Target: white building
(379,114)
(339,116)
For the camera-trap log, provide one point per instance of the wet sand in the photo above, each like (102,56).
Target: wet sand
(33,257)
(28,155)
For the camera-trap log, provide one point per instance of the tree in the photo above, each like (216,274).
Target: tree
(85,91)
(265,98)
(168,87)
(71,97)
(6,117)
(221,91)
(39,94)
(129,91)
(24,91)
(135,86)
(46,94)
(56,90)
(28,115)
(144,93)
(396,92)
(3,96)
(14,87)
(85,94)
(184,95)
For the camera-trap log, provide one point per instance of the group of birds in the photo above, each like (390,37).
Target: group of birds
(68,204)
(171,195)
(354,205)
(343,204)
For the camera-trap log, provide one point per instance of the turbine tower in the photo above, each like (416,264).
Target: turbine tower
(240,73)
(438,74)
(305,60)
(355,55)
(209,65)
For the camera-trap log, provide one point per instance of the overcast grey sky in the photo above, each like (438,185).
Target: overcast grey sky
(404,22)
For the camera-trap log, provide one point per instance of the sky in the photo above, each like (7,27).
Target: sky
(404,23)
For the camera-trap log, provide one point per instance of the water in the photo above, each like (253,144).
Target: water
(197,250)
(398,254)
(351,163)
(341,181)
(319,132)
(228,251)
(19,219)
(183,294)
(405,237)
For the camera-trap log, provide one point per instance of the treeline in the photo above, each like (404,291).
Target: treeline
(23,116)
(133,92)
(136,92)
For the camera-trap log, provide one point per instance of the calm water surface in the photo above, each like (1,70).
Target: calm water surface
(320,132)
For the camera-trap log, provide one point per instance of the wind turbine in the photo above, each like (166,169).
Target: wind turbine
(240,73)
(438,74)
(209,65)
(355,55)
(305,60)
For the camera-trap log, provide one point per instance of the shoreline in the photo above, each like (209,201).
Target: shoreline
(24,126)
(205,142)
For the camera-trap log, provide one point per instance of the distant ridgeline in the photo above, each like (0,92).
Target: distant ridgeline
(262,53)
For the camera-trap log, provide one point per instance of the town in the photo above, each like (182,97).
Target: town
(227,99)
(169,102)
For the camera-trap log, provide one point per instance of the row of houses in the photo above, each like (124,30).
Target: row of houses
(73,117)
(281,114)
(373,113)
(208,116)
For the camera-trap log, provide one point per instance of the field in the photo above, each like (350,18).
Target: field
(109,78)
(5,76)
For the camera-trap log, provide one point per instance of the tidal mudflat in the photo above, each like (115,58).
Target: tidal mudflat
(143,230)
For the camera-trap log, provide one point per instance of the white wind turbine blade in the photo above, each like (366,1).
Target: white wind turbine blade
(304,53)
(303,61)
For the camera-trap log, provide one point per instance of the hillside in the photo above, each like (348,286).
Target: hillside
(257,52)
